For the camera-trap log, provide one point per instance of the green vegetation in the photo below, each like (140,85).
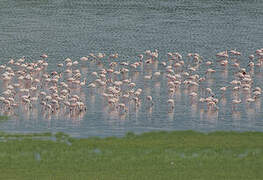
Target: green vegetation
(155,155)
(3,118)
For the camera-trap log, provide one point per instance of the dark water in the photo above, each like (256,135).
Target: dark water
(66,28)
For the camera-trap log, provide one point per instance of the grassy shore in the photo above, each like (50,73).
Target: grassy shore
(155,155)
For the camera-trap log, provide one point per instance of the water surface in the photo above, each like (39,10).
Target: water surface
(63,28)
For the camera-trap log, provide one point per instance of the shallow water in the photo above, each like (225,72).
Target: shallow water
(76,28)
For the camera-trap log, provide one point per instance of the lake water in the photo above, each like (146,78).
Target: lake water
(66,28)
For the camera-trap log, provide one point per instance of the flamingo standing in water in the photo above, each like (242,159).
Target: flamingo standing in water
(27,84)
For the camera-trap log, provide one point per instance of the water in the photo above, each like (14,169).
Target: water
(64,28)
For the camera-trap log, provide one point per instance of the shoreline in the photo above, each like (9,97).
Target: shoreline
(11,134)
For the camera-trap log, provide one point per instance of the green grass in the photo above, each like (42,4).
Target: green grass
(155,155)
(3,118)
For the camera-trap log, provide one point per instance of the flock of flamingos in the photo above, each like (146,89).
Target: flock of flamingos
(28,85)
